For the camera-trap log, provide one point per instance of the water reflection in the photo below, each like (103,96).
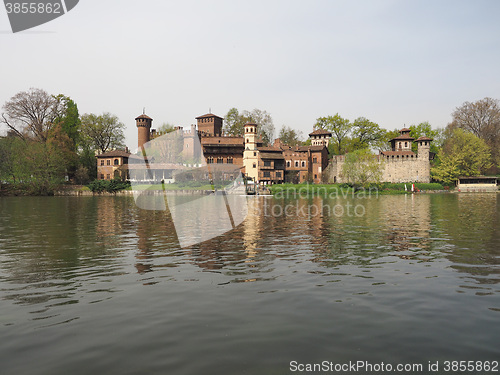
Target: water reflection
(471,223)
(52,248)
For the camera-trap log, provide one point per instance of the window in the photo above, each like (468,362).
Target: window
(108,177)
(267,174)
(108,162)
(288,164)
(220,160)
(116,162)
(315,160)
(102,176)
(254,165)
(278,174)
(229,160)
(102,162)
(296,163)
(267,163)
(303,163)
(210,160)
(315,176)
(254,154)
(406,144)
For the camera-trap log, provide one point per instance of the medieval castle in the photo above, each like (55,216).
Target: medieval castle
(278,163)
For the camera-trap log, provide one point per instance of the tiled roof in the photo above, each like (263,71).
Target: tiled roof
(271,155)
(269,149)
(208,115)
(424,139)
(143,116)
(312,148)
(320,132)
(405,130)
(403,137)
(114,153)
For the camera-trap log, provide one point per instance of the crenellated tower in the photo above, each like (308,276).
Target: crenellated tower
(423,158)
(143,123)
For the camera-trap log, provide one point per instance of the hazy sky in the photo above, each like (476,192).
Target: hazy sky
(394,62)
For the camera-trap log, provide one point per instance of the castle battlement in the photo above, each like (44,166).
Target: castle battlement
(400,164)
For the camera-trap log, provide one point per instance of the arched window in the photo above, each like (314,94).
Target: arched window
(303,163)
(406,144)
(288,164)
(254,165)
(116,162)
(296,163)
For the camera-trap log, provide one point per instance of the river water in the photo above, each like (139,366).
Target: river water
(95,285)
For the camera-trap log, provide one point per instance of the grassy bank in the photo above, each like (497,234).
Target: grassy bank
(346,189)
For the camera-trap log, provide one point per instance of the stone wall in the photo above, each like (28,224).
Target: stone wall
(395,170)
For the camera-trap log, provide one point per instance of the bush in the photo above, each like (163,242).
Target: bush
(110,186)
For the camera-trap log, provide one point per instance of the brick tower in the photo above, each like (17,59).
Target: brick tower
(210,124)
(143,123)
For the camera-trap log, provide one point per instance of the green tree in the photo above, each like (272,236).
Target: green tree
(424,129)
(234,122)
(265,125)
(366,134)
(289,136)
(8,155)
(68,118)
(462,154)
(481,118)
(165,128)
(36,167)
(340,129)
(361,167)
(102,133)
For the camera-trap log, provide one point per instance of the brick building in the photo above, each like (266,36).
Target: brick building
(113,164)
(265,164)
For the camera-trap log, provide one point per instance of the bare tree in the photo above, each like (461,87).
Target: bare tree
(482,118)
(32,113)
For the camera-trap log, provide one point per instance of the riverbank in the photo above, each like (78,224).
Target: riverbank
(282,190)
(347,190)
